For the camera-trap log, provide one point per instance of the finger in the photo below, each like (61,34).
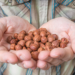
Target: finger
(22,54)
(6,56)
(28,64)
(63,54)
(43,65)
(43,55)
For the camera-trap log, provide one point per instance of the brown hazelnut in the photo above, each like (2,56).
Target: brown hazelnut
(48,33)
(12,46)
(42,45)
(21,36)
(33,47)
(63,45)
(48,43)
(16,35)
(21,42)
(17,40)
(37,38)
(23,32)
(24,47)
(55,36)
(30,34)
(40,49)
(36,32)
(18,47)
(37,43)
(43,33)
(13,41)
(49,48)
(43,29)
(55,44)
(28,43)
(9,39)
(43,39)
(35,55)
(50,38)
(29,50)
(64,40)
(27,38)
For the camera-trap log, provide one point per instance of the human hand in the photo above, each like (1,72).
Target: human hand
(63,28)
(9,26)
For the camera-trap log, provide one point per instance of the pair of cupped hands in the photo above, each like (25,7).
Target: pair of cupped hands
(60,26)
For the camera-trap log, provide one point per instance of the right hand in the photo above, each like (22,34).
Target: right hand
(9,26)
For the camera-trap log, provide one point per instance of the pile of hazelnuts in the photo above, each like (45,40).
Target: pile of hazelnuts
(36,41)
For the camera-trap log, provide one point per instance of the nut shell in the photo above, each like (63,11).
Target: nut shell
(9,39)
(50,38)
(43,39)
(21,36)
(23,32)
(21,42)
(12,46)
(13,41)
(27,38)
(18,47)
(16,35)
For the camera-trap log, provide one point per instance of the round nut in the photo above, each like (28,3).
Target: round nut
(29,50)
(37,38)
(43,33)
(35,55)
(64,40)
(33,47)
(13,41)
(16,40)
(9,39)
(49,48)
(43,39)
(37,43)
(40,49)
(43,29)
(18,47)
(48,33)
(28,43)
(21,36)
(30,34)
(55,36)
(48,43)
(36,32)
(63,45)
(27,38)
(16,35)
(23,32)
(55,43)
(24,47)
(42,45)
(12,46)
(50,38)
(21,42)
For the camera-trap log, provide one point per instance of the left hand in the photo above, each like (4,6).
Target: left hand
(63,28)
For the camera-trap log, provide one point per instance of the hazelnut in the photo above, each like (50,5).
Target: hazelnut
(55,43)
(35,55)
(63,45)
(27,38)
(29,50)
(12,46)
(42,45)
(50,38)
(40,49)
(28,43)
(21,42)
(64,40)
(43,39)
(36,32)
(23,32)
(48,43)
(37,43)
(16,40)
(21,36)
(37,38)
(24,47)
(48,33)
(55,36)
(18,47)
(49,48)
(30,34)
(43,33)
(43,29)
(9,39)
(16,35)
(33,47)
(13,41)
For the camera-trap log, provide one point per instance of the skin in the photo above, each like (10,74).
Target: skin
(63,28)
(9,26)
(60,26)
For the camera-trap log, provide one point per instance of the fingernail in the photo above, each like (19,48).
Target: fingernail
(21,58)
(24,66)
